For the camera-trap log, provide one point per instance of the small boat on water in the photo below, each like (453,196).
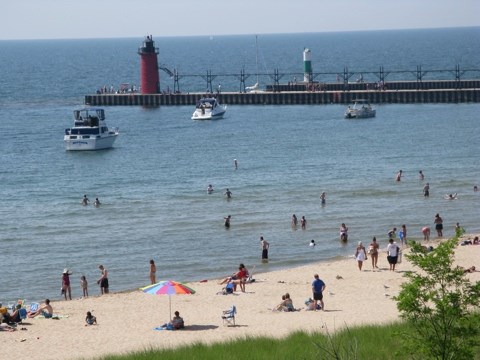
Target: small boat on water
(208,109)
(89,131)
(360,109)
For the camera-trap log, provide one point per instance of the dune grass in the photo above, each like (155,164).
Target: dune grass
(366,342)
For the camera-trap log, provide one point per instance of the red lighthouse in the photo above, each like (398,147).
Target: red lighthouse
(150,81)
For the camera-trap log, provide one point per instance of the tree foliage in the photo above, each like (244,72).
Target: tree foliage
(441,303)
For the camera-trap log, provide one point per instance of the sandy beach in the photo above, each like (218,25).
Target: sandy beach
(126,321)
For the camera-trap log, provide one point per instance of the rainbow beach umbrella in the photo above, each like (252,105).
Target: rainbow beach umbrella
(169,288)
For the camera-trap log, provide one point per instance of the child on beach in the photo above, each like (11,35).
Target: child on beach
(84,285)
(90,319)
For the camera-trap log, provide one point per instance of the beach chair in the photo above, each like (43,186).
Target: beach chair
(34,307)
(23,313)
(228,316)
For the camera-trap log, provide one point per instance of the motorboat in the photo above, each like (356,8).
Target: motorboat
(208,108)
(360,109)
(89,131)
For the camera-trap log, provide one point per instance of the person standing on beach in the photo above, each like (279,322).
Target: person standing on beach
(103,280)
(403,238)
(438,221)
(426,190)
(399,175)
(84,286)
(265,246)
(373,252)
(392,251)
(426,233)
(318,287)
(360,255)
(66,288)
(153,271)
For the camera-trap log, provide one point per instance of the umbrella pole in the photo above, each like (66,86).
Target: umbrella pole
(170,302)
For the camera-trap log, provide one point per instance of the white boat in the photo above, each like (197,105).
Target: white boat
(360,109)
(208,109)
(89,132)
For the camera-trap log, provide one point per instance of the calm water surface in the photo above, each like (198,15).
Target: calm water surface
(153,182)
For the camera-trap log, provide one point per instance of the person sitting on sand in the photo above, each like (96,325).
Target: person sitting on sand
(4,326)
(15,318)
(177,321)
(311,305)
(46,310)
(90,319)
(286,304)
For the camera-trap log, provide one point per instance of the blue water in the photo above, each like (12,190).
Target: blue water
(153,182)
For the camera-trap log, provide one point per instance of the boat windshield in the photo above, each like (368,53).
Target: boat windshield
(206,103)
(89,113)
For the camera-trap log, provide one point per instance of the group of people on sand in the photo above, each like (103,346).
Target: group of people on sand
(66,289)
(9,319)
(239,278)
(313,303)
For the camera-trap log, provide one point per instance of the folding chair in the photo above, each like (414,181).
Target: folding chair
(228,316)
(34,307)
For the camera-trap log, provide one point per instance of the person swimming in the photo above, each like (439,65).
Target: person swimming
(96,203)
(451,196)
(210,189)
(85,200)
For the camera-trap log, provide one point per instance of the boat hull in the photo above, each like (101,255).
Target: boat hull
(89,144)
(197,115)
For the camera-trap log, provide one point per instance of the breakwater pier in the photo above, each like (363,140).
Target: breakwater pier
(398,92)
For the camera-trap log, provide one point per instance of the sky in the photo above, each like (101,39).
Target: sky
(85,19)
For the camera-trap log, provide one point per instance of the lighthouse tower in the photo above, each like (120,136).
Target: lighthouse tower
(149,79)
(307,66)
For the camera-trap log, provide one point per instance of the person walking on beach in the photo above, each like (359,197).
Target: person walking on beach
(438,221)
(318,287)
(153,271)
(426,190)
(373,252)
(228,194)
(84,285)
(360,255)
(265,246)
(399,175)
(66,288)
(103,280)
(392,251)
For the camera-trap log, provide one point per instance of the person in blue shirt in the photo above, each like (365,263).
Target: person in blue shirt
(318,287)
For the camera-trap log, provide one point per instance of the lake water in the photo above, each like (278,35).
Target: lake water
(153,182)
